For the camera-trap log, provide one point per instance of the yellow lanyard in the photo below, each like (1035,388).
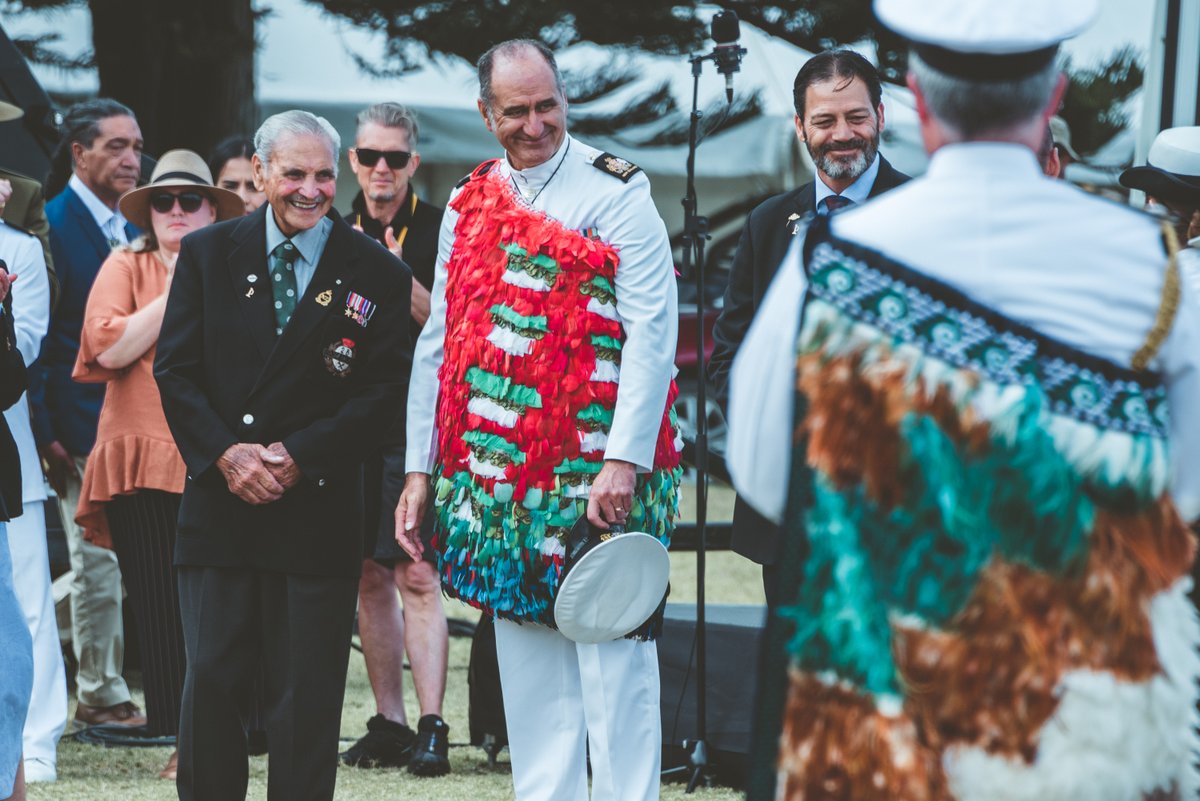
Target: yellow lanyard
(412,210)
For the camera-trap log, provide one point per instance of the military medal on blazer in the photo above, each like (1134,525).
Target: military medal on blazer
(359,309)
(339,357)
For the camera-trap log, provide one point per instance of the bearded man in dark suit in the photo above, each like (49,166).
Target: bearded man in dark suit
(839,118)
(284,356)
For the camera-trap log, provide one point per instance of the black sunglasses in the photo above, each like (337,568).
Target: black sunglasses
(396,159)
(163,202)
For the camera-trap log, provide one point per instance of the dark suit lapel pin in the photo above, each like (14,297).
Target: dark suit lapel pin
(325,297)
(250,292)
(250,279)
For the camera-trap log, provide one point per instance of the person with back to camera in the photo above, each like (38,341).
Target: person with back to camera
(971,405)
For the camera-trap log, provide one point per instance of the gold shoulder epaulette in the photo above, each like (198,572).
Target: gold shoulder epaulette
(616,166)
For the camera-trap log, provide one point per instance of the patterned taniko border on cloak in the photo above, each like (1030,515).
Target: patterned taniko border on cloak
(995,588)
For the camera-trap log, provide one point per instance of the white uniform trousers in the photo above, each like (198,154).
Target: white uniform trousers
(31,582)
(564,700)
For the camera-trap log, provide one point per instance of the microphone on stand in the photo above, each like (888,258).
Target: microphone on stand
(727,53)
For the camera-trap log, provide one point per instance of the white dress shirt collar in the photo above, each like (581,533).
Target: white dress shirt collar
(857,192)
(310,242)
(530,181)
(111,221)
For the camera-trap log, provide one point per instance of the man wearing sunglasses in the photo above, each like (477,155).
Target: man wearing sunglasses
(387,209)
(384,158)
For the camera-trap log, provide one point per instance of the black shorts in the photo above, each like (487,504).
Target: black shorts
(381,493)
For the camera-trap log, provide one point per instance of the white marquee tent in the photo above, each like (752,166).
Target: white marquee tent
(305,61)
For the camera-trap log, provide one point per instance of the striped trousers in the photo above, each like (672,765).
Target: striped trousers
(143,531)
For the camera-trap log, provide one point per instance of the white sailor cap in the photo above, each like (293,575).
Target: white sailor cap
(986,40)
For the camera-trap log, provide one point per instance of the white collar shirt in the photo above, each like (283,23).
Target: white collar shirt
(110,221)
(857,192)
(310,243)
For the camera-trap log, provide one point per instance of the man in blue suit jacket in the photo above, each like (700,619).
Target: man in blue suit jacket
(102,149)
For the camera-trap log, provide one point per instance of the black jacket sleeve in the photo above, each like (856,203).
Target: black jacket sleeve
(14,378)
(200,434)
(736,315)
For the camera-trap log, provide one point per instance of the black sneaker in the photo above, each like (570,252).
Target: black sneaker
(387,744)
(430,754)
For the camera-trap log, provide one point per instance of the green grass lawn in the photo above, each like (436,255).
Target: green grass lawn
(93,773)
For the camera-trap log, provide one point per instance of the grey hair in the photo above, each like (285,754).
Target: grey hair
(975,108)
(294,123)
(390,115)
(487,64)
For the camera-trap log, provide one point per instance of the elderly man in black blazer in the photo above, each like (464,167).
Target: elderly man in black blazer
(839,118)
(284,356)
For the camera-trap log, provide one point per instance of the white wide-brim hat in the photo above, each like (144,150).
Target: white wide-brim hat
(612,582)
(1172,170)
(1060,132)
(179,168)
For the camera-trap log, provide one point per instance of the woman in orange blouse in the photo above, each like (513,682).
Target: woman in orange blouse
(134,477)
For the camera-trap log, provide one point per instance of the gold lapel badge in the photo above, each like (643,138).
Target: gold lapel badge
(325,297)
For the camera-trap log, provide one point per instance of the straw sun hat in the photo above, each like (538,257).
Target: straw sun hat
(10,112)
(179,168)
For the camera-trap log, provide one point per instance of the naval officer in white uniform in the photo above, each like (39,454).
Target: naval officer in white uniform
(566,701)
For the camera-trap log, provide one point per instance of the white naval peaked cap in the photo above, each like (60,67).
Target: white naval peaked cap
(986,39)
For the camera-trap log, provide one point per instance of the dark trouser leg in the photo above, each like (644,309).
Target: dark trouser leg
(771,584)
(143,531)
(306,623)
(219,608)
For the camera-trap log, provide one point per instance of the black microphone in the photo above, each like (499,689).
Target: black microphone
(727,54)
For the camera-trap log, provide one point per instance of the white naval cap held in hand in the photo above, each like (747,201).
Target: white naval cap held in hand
(986,39)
